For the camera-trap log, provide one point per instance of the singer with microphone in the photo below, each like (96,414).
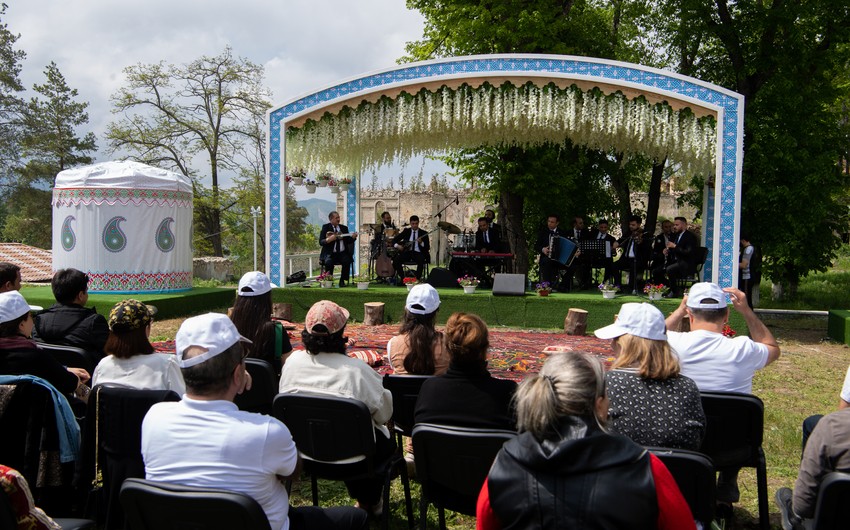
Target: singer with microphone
(337,247)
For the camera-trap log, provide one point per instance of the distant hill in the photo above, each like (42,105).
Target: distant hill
(317,210)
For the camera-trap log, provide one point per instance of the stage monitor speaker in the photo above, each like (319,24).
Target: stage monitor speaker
(509,284)
(440,277)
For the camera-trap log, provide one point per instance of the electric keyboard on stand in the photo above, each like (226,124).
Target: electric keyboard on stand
(485,255)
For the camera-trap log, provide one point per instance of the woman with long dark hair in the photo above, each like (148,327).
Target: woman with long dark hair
(251,315)
(419,349)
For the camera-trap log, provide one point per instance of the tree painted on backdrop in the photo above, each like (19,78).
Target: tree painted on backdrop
(177,116)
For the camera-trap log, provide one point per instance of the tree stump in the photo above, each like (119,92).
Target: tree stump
(282,311)
(576,322)
(373,313)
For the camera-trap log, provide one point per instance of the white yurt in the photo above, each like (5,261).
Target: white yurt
(126,224)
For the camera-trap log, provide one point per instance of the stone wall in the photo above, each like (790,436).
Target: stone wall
(212,268)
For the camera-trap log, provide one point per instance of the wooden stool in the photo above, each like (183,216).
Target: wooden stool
(576,322)
(373,313)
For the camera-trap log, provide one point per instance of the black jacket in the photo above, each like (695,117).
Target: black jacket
(424,241)
(19,356)
(72,325)
(543,237)
(328,248)
(495,244)
(581,477)
(686,250)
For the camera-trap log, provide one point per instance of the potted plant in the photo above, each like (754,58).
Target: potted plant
(609,290)
(655,291)
(310,185)
(333,187)
(362,281)
(543,288)
(344,183)
(323,178)
(296,176)
(469,283)
(326,279)
(410,281)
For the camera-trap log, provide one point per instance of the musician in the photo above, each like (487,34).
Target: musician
(681,255)
(386,222)
(487,238)
(581,265)
(491,220)
(548,267)
(337,248)
(605,261)
(635,252)
(659,243)
(413,246)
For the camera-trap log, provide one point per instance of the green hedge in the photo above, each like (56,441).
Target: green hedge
(838,325)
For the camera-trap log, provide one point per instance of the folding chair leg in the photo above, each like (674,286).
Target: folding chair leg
(423,512)
(442,514)
(405,481)
(385,517)
(761,479)
(315,485)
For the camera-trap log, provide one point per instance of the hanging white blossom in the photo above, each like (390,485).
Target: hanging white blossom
(374,134)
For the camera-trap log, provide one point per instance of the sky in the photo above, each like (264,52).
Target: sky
(304,45)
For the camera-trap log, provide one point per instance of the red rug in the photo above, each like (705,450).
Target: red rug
(513,354)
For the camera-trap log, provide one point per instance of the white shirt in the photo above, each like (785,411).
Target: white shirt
(157,371)
(337,374)
(717,363)
(212,444)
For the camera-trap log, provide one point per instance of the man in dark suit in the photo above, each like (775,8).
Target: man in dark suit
(487,239)
(337,247)
(413,246)
(549,267)
(681,255)
(580,266)
(605,258)
(636,248)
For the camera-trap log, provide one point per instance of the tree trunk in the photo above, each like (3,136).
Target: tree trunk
(576,322)
(512,218)
(620,183)
(654,198)
(373,313)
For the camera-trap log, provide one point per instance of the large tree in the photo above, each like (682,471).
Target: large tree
(10,102)
(178,115)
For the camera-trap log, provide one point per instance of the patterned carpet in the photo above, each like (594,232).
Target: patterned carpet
(513,354)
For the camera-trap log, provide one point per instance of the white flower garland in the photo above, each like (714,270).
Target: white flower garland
(375,134)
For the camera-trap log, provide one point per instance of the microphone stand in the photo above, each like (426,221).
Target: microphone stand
(439,216)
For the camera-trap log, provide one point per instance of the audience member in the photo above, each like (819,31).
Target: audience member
(565,471)
(20,356)
(843,403)
(10,277)
(419,348)
(466,395)
(131,360)
(252,314)
(718,363)
(650,402)
(68,321)
(325,368)
(205,441)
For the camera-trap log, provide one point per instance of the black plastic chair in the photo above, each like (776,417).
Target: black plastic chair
(405,391)
(336,440)
(263,388)
(155,505)
(832,511)
(112,444)
(70,356)
(452,464)
(687,281)
(9,520)
(694,474)
(733,438)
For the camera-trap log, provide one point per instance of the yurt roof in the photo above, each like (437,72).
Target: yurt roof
(123,174)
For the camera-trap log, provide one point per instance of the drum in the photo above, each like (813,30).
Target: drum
(390,233)
(467,241)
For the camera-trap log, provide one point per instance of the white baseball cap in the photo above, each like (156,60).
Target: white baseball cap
(13,305)
(641,320)
(214,332)
(254,283)
(422,299)
(700,292)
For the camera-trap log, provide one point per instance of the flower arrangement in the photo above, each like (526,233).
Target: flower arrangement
(310,185)
(728,331)
(609,286)
(410,280)
(467,281)
(324,176)
(325,277)
(655,288)
(361,278)
(543,287)
(344,181)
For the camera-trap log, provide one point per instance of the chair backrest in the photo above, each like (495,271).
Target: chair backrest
(327,428)
(702,256)
(734,428)
(452,462)
(69,355)
(833,511)
(263,387)
(155,505)
(694,474)
(405,391)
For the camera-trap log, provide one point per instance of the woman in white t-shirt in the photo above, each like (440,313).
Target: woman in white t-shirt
(131,360)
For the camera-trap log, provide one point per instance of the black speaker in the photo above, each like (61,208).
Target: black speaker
(439,277)
(509,284)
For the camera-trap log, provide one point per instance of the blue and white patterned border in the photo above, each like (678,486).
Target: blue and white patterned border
(722,211)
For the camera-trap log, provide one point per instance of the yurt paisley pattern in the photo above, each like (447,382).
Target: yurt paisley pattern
(164,235)
(69,239)
(114,239)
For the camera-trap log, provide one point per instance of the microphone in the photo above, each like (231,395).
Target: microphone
(457,199)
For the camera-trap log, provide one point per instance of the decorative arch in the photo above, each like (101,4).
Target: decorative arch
(722,195)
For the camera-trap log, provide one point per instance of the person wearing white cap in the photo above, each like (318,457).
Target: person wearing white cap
(19,354)
(205,441)
(324,368)
(650,402)
(252,313)
(419,348)
(715,362)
